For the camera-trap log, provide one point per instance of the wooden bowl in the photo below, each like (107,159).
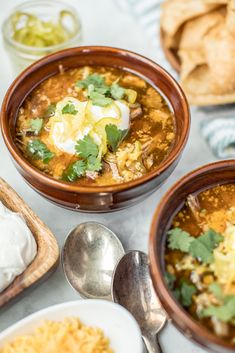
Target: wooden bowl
(193,183)
(94,198)
(47,257)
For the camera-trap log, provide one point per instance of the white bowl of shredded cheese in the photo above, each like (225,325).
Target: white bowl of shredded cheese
(117,328)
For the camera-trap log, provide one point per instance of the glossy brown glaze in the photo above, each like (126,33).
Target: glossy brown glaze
(170,54)
(193,183)
(95,199)
(47,256)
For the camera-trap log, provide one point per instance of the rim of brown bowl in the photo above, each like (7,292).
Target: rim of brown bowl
(191,328)
(54,57)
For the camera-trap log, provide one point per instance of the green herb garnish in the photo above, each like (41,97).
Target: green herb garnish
(203,246)
(100,93)
(93,164)
(93,79)
(36,125)
(87,148)
(38,150)
(187,290)
(216,290)
(178,239)
(75,171)
(69,109)
(100,99)
(200,248)
(225,312)
(170,279)
(50,110)
(88,151)
(117,92)
(114,136)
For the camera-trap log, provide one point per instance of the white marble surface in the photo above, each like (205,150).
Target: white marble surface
(105,24)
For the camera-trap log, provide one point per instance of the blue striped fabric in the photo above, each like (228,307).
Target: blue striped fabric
(218,127)
(220,136)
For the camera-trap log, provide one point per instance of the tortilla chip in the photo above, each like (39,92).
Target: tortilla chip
(231,17)
(191,51)
(195,30)
(176,12)
(190,59)
(206,47)
(220,51)
(214,81)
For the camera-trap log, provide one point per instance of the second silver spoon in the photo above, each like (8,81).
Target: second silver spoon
(132,288)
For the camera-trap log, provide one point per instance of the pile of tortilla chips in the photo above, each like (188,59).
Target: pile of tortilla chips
(203,34)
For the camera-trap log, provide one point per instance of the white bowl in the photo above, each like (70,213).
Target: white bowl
(116,322)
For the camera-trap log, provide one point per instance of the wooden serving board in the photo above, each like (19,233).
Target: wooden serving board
(47,257)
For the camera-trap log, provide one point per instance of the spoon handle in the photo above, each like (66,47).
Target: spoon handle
(152,344)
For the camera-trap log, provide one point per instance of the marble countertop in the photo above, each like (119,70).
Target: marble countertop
(103,24)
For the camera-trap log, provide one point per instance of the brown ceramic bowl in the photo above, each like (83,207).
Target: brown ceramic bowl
(94,199)
(193,183)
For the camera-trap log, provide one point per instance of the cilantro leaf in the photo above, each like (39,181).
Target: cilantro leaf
(100,99)
(225,312)
(176,293)
(93,164)
(117,92)
(179,240)
(93,79)
(75,171)
(104,90)
(216,290)
(36,125)
(38,150)
(114,136)
(100,93)
(69,109)
(87,147)
(186,292)
(202,247)
(170,279)
(50,110)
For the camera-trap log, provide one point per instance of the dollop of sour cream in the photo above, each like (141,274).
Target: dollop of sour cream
(67,129)
(17,246)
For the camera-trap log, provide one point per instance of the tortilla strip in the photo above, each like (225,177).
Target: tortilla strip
(177,12)
(231,17)
(214,81)
(191,51)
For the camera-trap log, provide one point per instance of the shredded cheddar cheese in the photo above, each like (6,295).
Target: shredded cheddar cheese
(67,336)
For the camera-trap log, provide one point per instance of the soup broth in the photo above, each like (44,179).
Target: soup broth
(95,126)
(200,259)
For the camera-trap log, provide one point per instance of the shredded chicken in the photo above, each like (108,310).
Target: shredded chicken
(220,328)
(111,160)
(195,208)
(136,112)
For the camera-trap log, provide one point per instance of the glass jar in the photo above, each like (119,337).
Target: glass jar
(22,55)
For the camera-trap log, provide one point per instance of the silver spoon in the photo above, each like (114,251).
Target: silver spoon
(132,288)
(89,256)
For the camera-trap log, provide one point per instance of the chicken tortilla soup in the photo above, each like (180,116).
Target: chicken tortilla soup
(200,259)
(95,126)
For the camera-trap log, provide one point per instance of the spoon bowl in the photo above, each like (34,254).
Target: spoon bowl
(89,256)
(132,288)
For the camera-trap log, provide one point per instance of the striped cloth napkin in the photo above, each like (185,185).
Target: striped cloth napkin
(218,126)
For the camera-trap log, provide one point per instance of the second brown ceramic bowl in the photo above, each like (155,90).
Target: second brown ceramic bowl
(94,199)
(193,183)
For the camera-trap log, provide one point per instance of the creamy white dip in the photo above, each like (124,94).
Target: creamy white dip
(18,247)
